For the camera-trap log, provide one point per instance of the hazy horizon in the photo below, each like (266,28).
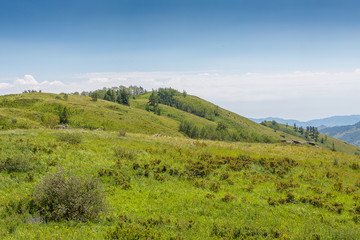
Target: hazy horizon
(289,59)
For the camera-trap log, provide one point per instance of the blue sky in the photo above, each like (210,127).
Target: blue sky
(61,45)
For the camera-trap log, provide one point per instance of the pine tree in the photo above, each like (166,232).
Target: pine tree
(153,99)
(64,116)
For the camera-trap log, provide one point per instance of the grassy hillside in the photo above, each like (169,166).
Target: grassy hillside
(41,110)
(350,134)
(178,188)
(323,141)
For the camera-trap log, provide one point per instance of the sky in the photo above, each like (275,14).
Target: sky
(297,59)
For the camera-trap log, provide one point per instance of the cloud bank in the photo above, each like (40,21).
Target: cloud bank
(299,94)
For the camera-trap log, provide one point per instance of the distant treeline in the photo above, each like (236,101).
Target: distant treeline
(174,98)
(115,94)
(308,133)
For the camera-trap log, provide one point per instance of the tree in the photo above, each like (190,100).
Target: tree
(94,96)
(221,126)
(153,99)
(64,116)
(123,97)
(301,130)
(184,93)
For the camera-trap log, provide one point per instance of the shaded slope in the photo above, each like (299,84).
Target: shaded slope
(350,134)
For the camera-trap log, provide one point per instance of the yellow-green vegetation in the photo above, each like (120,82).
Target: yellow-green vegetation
(201,118)
(312,134)
(156,187)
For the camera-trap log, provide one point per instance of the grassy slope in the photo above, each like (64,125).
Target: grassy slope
(183,205)
(112,116)
(328,141)
(28,111)
(86,114)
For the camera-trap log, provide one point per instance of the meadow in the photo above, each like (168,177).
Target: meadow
(172,187)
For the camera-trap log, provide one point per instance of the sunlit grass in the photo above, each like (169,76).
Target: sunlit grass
(168,201)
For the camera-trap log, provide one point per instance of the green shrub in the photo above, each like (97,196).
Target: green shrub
(72,138)
(67,197)
(129,230)
(123,153)
(122,133)
(228,198)
(19,162)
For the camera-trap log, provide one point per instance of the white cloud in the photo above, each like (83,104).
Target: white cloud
(5,86)
(99,80)
(299,93)
(239,87)
(27,80)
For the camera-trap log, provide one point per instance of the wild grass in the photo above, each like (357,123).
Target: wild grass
(42,111)
(177,188)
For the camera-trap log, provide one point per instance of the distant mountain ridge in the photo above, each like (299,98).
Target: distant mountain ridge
(333,121)
(349,133)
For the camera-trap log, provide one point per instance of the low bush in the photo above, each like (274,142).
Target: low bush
(228,198)
(123,153)
(67,197)
(122,133)
(72,138)
(18,162)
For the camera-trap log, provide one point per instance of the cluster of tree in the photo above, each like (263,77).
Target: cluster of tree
(120,94)
(133,91)
(309,133)
(221,132)
(153,104)
(174,98)
(31,91)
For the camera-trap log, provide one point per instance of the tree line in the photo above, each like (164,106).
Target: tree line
(310,132)
(119,94)
(178,100)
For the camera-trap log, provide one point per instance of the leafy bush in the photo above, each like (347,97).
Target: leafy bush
(122,133)
(123,153)
(63,197)
(132,231)
(18,162)
(228,198)
(72,138)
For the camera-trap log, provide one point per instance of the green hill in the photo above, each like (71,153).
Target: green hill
(42,110)
(196,118)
